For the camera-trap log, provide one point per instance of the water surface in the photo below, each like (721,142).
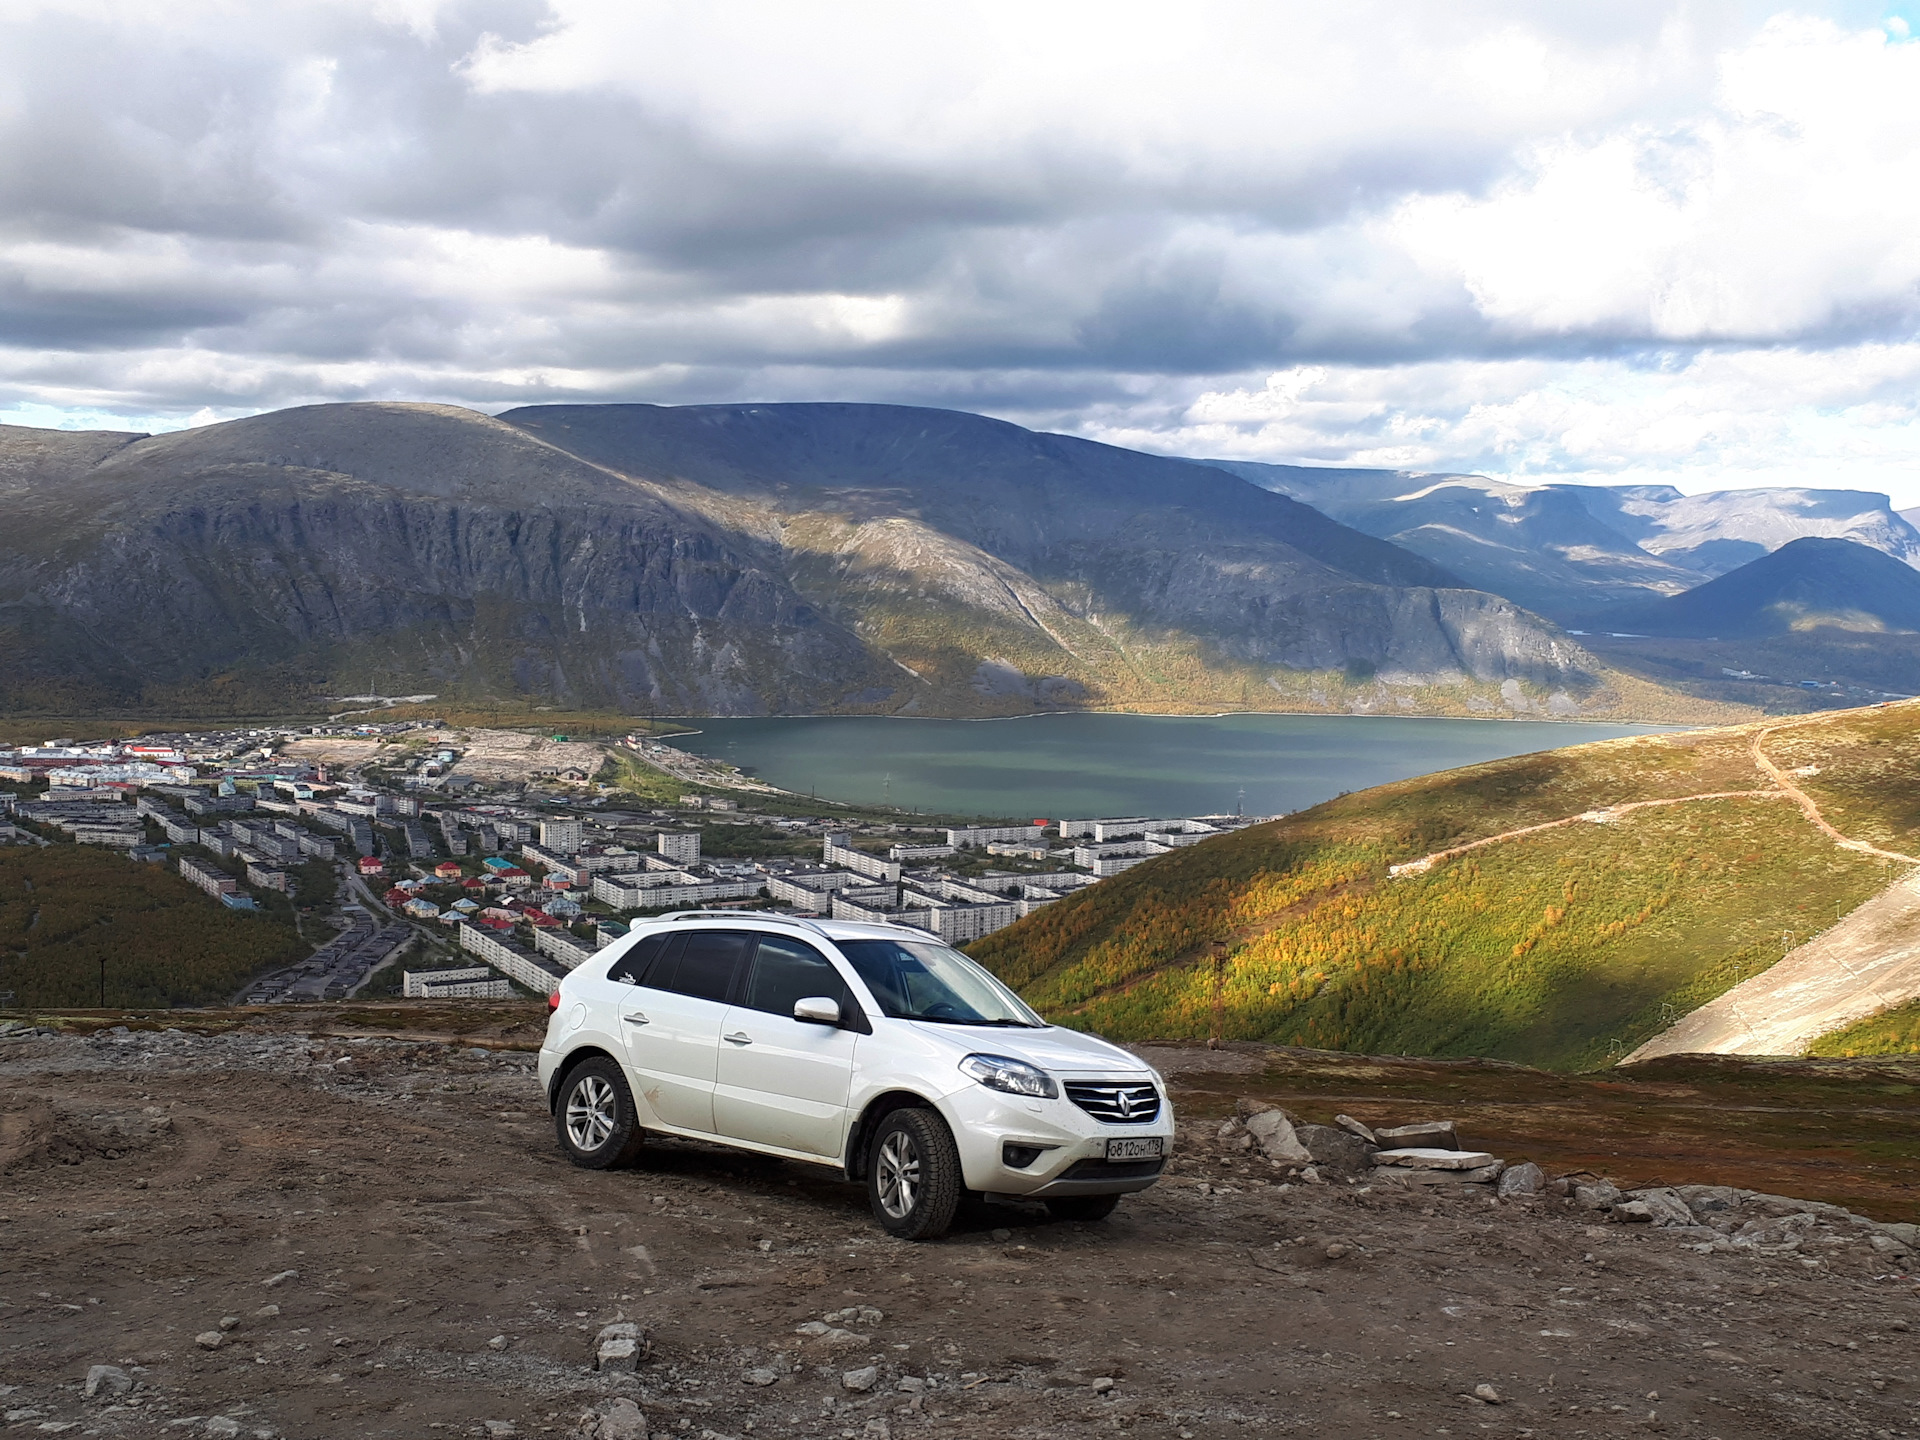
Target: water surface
(1083,765)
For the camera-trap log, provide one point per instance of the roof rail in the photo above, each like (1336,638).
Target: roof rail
(762,915)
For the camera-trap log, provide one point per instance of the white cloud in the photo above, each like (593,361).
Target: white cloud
(1630,241)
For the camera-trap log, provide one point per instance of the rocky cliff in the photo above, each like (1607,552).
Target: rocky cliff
(722,559)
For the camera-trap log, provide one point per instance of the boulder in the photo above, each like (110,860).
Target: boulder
(621,1346)
(1430,1158)
(1522,1180)
(1655,1206)
(1334,1149)
(1484,1174)
(1601,1195)
(862,1380)
(109,1380)
(619,1419)
(1705,1200)
(1355,1127)
(1272,1130)
(1426,1135)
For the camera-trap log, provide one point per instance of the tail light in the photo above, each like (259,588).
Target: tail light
(553,1002)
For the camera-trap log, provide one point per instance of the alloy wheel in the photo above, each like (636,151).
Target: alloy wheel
(899,1175)
(590,1113)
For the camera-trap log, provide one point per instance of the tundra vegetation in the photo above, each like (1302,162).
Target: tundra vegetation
(1561,949)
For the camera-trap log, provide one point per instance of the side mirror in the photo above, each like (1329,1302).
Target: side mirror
(817,1010)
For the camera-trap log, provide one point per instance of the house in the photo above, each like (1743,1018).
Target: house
(370,865)
(447,870)
(539,918)
(421,909)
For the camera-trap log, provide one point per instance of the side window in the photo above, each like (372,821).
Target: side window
(702,965)
(632,966)
(788,970)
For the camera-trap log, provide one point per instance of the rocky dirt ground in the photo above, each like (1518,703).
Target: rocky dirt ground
(260,1232)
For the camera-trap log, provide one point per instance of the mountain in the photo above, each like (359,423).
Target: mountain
(1449,915)
(1570,550)
(716,559)
(1806,584)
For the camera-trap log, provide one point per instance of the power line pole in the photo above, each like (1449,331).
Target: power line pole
(1218,1038)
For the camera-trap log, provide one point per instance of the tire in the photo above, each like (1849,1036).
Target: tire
(913,1175)
(1082,1207)
(595,1118)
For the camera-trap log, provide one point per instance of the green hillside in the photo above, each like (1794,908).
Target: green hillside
(1560,948)
(66,908)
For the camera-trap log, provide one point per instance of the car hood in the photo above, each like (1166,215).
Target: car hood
(1057,1050)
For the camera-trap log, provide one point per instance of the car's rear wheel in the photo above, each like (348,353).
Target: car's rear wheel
(595,1119)
(913,1175)
(1082,1207)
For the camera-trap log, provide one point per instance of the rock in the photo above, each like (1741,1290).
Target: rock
(1601,1195)
(1656,1206)
(501,1429)
(1354,1127)
(1102,1384)
(1336,1251)
(1427,1135)
(911,1384)
(285,1275)
(1333,1148)
(223,1426)
(1886,1245)
(209,1339)
(1710,1199)
(621,1346)
(861,1380)
(856,1314)
(1000,1237)
(612,1420)
(1311,1176)
(1487,1393)
(1431,1158)
(498,1342)
(1272,1130)
(229,1322)
(107,1380)
(1230,1127)
(760,1375)
(267,1312)
(1483,1174)
(1521,1180)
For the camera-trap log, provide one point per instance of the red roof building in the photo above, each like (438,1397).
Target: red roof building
(447,870)
(369,865)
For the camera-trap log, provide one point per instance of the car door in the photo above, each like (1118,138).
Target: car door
(672,1022)
(784,1082)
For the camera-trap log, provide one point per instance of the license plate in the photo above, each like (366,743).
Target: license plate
(1142,1149)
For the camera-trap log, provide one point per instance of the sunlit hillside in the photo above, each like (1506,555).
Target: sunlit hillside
(1563,948)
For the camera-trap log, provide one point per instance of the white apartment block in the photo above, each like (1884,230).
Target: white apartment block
(562,835)
(563,946)
(681,847)
(838,850)
(538,975)
(214,882)
(910,853)
(987,834)
(472,982)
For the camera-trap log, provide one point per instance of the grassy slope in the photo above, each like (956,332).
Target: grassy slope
(1557,949)
(1891,1032)
(65,908)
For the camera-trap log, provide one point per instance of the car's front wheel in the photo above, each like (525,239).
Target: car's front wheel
(913,1175)
(595,1118)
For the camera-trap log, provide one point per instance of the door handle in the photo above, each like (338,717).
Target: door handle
(638,1019)
(739,1037)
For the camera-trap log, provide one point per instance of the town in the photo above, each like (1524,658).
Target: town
(481,880)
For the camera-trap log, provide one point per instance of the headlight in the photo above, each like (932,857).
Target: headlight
(1015,1077)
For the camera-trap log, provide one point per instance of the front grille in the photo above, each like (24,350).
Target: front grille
(1116,1102)
(1112,1170)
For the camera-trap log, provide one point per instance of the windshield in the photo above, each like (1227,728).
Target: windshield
(924,980)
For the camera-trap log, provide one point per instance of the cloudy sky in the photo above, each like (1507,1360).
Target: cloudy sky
(1622,241)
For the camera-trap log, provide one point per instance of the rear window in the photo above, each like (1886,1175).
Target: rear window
(632,966)
(702,964)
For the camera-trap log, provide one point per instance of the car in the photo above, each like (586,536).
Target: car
(874,1049)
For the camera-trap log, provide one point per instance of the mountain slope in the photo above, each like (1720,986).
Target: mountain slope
(1572,550)
(1561,947)
(718,559)
(1804,585)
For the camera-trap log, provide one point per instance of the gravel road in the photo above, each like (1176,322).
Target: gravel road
(270,1235)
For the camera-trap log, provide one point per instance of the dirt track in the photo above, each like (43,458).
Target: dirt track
(152,1185)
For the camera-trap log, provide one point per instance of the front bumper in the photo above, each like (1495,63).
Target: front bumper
(1071,1146)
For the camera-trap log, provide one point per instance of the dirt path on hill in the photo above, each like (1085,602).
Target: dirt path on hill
(1811,810)
(382,1240)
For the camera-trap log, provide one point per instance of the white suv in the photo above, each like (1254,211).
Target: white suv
(874,1049)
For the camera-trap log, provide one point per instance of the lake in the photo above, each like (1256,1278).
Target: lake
(1088,765)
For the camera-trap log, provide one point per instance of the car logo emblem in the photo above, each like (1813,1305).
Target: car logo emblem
(1126,1105)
